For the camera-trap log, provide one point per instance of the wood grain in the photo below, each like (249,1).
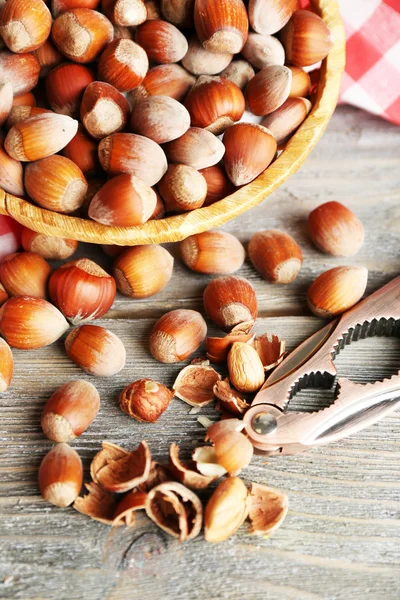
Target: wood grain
(341,537)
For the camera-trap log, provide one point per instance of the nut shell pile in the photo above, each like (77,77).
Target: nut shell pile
(135,93)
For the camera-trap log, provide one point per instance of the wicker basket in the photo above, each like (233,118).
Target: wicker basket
(176,228)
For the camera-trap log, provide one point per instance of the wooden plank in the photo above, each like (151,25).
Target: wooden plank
(341,537)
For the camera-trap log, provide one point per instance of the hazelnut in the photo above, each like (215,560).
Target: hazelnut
(275,255)
(123,64)
(39,137)
(164,80)
(182,188)
(30,323)
(249,149)
(233,450)
(145,400)
(25,274)
(11,173)
(263,51)
(246,371)
(306,38)
(197,148)
(82,150)
(177,335)
(6,365)
(337,290)
(61,475)
(133,154)
(48,57)
(269,89)
(104,110)
(162,41)
(81,34)
(70,411)
(229,301)
(25,25)
(143,271)
(239,72)
(335,229)
(6,101)
(96,350)
(214,103)
(21,70)
(218,184)
(65,86)
(226,510)
(221,26)
(269,16)
(301,83)
(126,13)
(160,118)
(201,61)
(212,252)
(178,12)
(124,200)
(49,247)
(56,183)
(82,290)
(284,121)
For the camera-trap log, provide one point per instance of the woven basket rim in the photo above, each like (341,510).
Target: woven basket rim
(176,228)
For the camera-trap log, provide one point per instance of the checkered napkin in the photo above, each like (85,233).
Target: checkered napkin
(372,77)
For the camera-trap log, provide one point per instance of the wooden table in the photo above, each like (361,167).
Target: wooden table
(341,538)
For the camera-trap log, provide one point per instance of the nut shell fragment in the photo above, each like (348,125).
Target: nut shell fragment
(271,350)
(127,472)
(195,384)
(175,509)
(230,400)
(159,473)
(185,472)
(98,504)
(127,507)
(108,453)
(268,509)
(218,348)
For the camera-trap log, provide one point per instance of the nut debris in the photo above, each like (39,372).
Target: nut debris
(97,504)
(207,463)
(127,507)
(175,509)
(229,399)
(145,400)
(195,384)
(271,350)
(218,348)
(127,472)
(108,453)
(159,473)
(268,509)
(186,473)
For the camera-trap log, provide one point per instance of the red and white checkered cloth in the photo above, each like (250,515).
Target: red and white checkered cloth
(372,77)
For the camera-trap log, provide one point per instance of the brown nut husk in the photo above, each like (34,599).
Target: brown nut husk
(186,473)
(175,509)
(233,449)
(195,383)
(218,348)
(268,509)
(230,400)
(145,400)
(226,510)
(127,507)
(98,504)
(271,350)
(108,453)
(127,472)
(159,473)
